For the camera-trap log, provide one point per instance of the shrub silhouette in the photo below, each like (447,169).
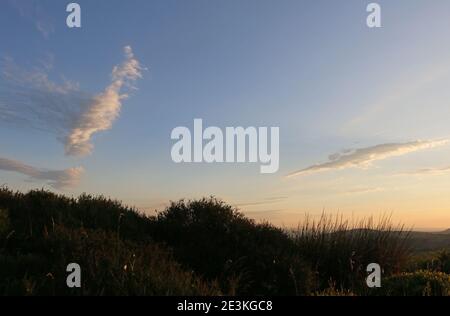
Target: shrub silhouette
(38,210)
(110,266)
(217,241)
(4,223)
(45,232)
(207,236)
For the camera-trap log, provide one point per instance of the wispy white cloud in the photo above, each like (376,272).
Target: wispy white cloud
(34,12)
(397,95)
(58,179)
(268,200)
(104,108)
(363,157)
(426,172)
(32,99)
(44,28)
(361,190)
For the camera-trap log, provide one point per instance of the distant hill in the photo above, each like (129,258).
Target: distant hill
(422,241)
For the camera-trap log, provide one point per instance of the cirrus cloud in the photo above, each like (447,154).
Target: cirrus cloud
(32,99)
(34,11)
(363,157)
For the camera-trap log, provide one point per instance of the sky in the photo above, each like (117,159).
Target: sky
(362,112)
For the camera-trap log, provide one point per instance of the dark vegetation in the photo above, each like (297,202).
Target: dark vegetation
(202,247)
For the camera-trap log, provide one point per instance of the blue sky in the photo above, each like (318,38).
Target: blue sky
(312,68)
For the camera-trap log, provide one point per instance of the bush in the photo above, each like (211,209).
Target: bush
(419,283)
(444,261)
(4,223)
(37,211)
(218,242)
(434,261)
(111,243)
(110,266)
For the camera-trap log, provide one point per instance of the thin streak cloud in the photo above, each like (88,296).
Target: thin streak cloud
(269,200)
(362,190)
(364,157)
(426,172)
(58,179)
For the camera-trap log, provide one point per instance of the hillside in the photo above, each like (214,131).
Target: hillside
(201,247)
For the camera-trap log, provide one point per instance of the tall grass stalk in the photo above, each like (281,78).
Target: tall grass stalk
(340,250)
